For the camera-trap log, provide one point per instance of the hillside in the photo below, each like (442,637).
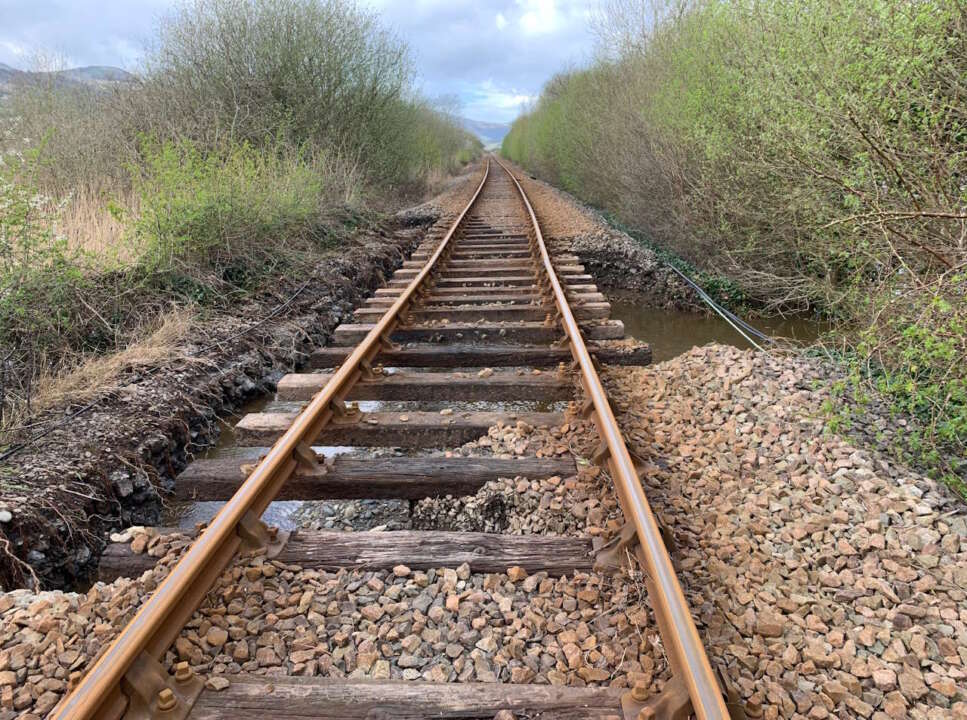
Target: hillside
(491,133)
(89,75)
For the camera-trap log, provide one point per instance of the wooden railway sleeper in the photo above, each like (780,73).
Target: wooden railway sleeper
(154,694)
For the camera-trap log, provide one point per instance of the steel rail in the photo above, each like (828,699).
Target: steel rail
(159,621)
(686,652)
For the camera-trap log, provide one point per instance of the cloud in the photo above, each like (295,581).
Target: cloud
(492,73)
(85,32)
(538,16)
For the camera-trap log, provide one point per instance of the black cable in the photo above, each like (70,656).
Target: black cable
(737,323)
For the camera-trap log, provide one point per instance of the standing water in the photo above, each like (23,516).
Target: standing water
(674,332)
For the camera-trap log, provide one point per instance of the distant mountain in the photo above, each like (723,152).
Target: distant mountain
(98,74)
(90,75)
(490,133)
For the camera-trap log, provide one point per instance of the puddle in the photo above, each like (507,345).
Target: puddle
(673,332)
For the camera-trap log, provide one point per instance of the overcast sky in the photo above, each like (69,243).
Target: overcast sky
(493,55)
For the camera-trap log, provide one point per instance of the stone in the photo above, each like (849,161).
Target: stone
(216,636)
(516,573)
(217,683)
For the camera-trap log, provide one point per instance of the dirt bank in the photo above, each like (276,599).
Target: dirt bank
(101,462)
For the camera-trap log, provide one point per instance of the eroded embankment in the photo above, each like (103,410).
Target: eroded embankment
(102,469)
(616,260)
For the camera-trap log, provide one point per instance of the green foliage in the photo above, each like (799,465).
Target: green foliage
(914,358)
(812,151)
(233,211)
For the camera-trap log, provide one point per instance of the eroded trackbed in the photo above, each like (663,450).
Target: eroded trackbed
(478,313)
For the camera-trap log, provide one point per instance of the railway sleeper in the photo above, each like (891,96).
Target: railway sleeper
(569,264)
(362,478)
(332,550)
(466,355)
(529,333)
(406,429)
(429,386)
(253,697)
(491,313)
(505,280)
(508,296)
(529,289)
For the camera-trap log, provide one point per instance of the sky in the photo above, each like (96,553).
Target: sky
(492,55)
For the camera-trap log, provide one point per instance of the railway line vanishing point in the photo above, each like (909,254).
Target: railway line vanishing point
(489,293)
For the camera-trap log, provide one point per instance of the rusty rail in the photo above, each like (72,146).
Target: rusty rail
(129,670)
(686,654)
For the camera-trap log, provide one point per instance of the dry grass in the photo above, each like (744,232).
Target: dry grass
(154,345)
(90,226)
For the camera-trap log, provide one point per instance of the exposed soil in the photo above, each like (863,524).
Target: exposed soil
(103,469)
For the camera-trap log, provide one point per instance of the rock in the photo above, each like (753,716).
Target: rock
(516,573)
(217,683)
(769,625)
(216,636)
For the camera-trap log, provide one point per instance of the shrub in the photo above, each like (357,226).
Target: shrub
(236,211)
(40,283)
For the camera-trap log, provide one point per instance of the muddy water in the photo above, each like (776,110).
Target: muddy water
(671,332)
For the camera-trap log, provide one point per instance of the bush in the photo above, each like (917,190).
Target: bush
(41,284)
(240,209)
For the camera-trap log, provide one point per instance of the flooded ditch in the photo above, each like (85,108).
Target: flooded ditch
(673,332)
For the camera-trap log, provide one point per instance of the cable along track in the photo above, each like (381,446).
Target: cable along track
(486,294)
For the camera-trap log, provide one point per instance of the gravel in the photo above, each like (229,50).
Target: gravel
(441,625)
(831,580)
(616,260)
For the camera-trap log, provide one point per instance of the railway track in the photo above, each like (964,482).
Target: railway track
(487,293)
